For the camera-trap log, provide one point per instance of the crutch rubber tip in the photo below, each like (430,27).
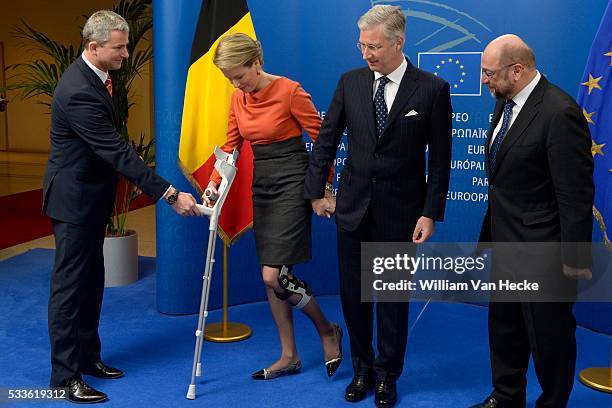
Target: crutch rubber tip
(191,392)
(199,370)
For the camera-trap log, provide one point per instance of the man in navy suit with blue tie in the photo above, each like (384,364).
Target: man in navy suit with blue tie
(80,184)
(393,112)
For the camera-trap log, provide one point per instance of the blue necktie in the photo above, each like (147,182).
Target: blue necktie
(380,107)
(502,132)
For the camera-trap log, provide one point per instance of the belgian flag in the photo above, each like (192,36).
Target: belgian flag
(206,109)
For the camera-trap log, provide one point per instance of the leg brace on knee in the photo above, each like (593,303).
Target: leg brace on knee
(293,286)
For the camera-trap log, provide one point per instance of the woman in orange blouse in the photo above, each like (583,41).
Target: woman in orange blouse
(270,111)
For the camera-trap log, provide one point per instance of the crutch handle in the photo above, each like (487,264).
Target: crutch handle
(205,210)
(211,195)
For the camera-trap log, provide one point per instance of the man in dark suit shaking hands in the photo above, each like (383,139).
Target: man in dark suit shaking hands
(80,185)
(393,112)
(540,170)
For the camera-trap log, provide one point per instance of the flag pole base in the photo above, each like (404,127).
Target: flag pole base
(227,333)
(598,378)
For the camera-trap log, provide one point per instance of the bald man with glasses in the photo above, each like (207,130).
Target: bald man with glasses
(540,170)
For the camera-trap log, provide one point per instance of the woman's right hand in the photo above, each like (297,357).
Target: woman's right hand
(212,188)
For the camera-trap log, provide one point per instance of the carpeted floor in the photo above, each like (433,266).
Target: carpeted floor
(22,220)
(446,364)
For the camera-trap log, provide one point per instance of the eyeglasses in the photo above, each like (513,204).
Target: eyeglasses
(373,48)
(490,73)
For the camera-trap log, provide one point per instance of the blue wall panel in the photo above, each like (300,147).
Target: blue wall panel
(313,42)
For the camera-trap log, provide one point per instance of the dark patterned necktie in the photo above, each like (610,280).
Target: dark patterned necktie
(380,107)
(109,85)
(502,132)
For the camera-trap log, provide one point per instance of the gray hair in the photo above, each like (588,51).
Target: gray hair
(392,19)
(101,23)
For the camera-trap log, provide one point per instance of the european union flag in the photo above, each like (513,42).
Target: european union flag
(595,97)
(460,69)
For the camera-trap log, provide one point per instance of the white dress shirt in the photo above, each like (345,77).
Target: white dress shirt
(101,74)
(103,77)
(519,101)
(392,86)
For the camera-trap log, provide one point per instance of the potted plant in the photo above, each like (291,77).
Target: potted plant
(38,79)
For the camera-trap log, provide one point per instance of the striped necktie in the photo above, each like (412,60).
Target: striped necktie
(109,85)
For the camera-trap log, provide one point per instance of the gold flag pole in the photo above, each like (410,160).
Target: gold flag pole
(226,332)
(598,378)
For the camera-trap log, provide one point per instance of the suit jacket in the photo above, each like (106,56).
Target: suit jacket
(87,152)
(387,174)
(541,189)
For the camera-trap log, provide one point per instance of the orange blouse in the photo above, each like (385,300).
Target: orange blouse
(275,113)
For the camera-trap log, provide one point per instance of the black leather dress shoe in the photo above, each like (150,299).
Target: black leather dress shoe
(385,394)
(490,402)
(358,388)
(81,393)
(101,370)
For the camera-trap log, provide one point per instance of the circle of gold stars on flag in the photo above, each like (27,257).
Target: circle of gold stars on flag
(597,148)
(450,62)
(593,83)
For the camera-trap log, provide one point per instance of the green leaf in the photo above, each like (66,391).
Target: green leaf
(39,77)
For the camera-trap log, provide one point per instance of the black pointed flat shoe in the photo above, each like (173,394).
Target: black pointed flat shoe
(332,365)
(265,374)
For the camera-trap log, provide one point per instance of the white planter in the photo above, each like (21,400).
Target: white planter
(121,259)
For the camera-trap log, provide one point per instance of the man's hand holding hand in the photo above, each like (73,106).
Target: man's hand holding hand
(324,207)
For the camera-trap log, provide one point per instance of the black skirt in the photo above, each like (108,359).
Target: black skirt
(281,215)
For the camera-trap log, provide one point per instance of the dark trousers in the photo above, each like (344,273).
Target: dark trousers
(77,286)
(545,331)
(391,318)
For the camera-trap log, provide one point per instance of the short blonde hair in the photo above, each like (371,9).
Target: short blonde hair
(236,50)
(391,18)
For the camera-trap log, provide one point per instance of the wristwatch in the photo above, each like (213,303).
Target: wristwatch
(172,198)
(329,187)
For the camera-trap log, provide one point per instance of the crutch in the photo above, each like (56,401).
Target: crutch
(226,166)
